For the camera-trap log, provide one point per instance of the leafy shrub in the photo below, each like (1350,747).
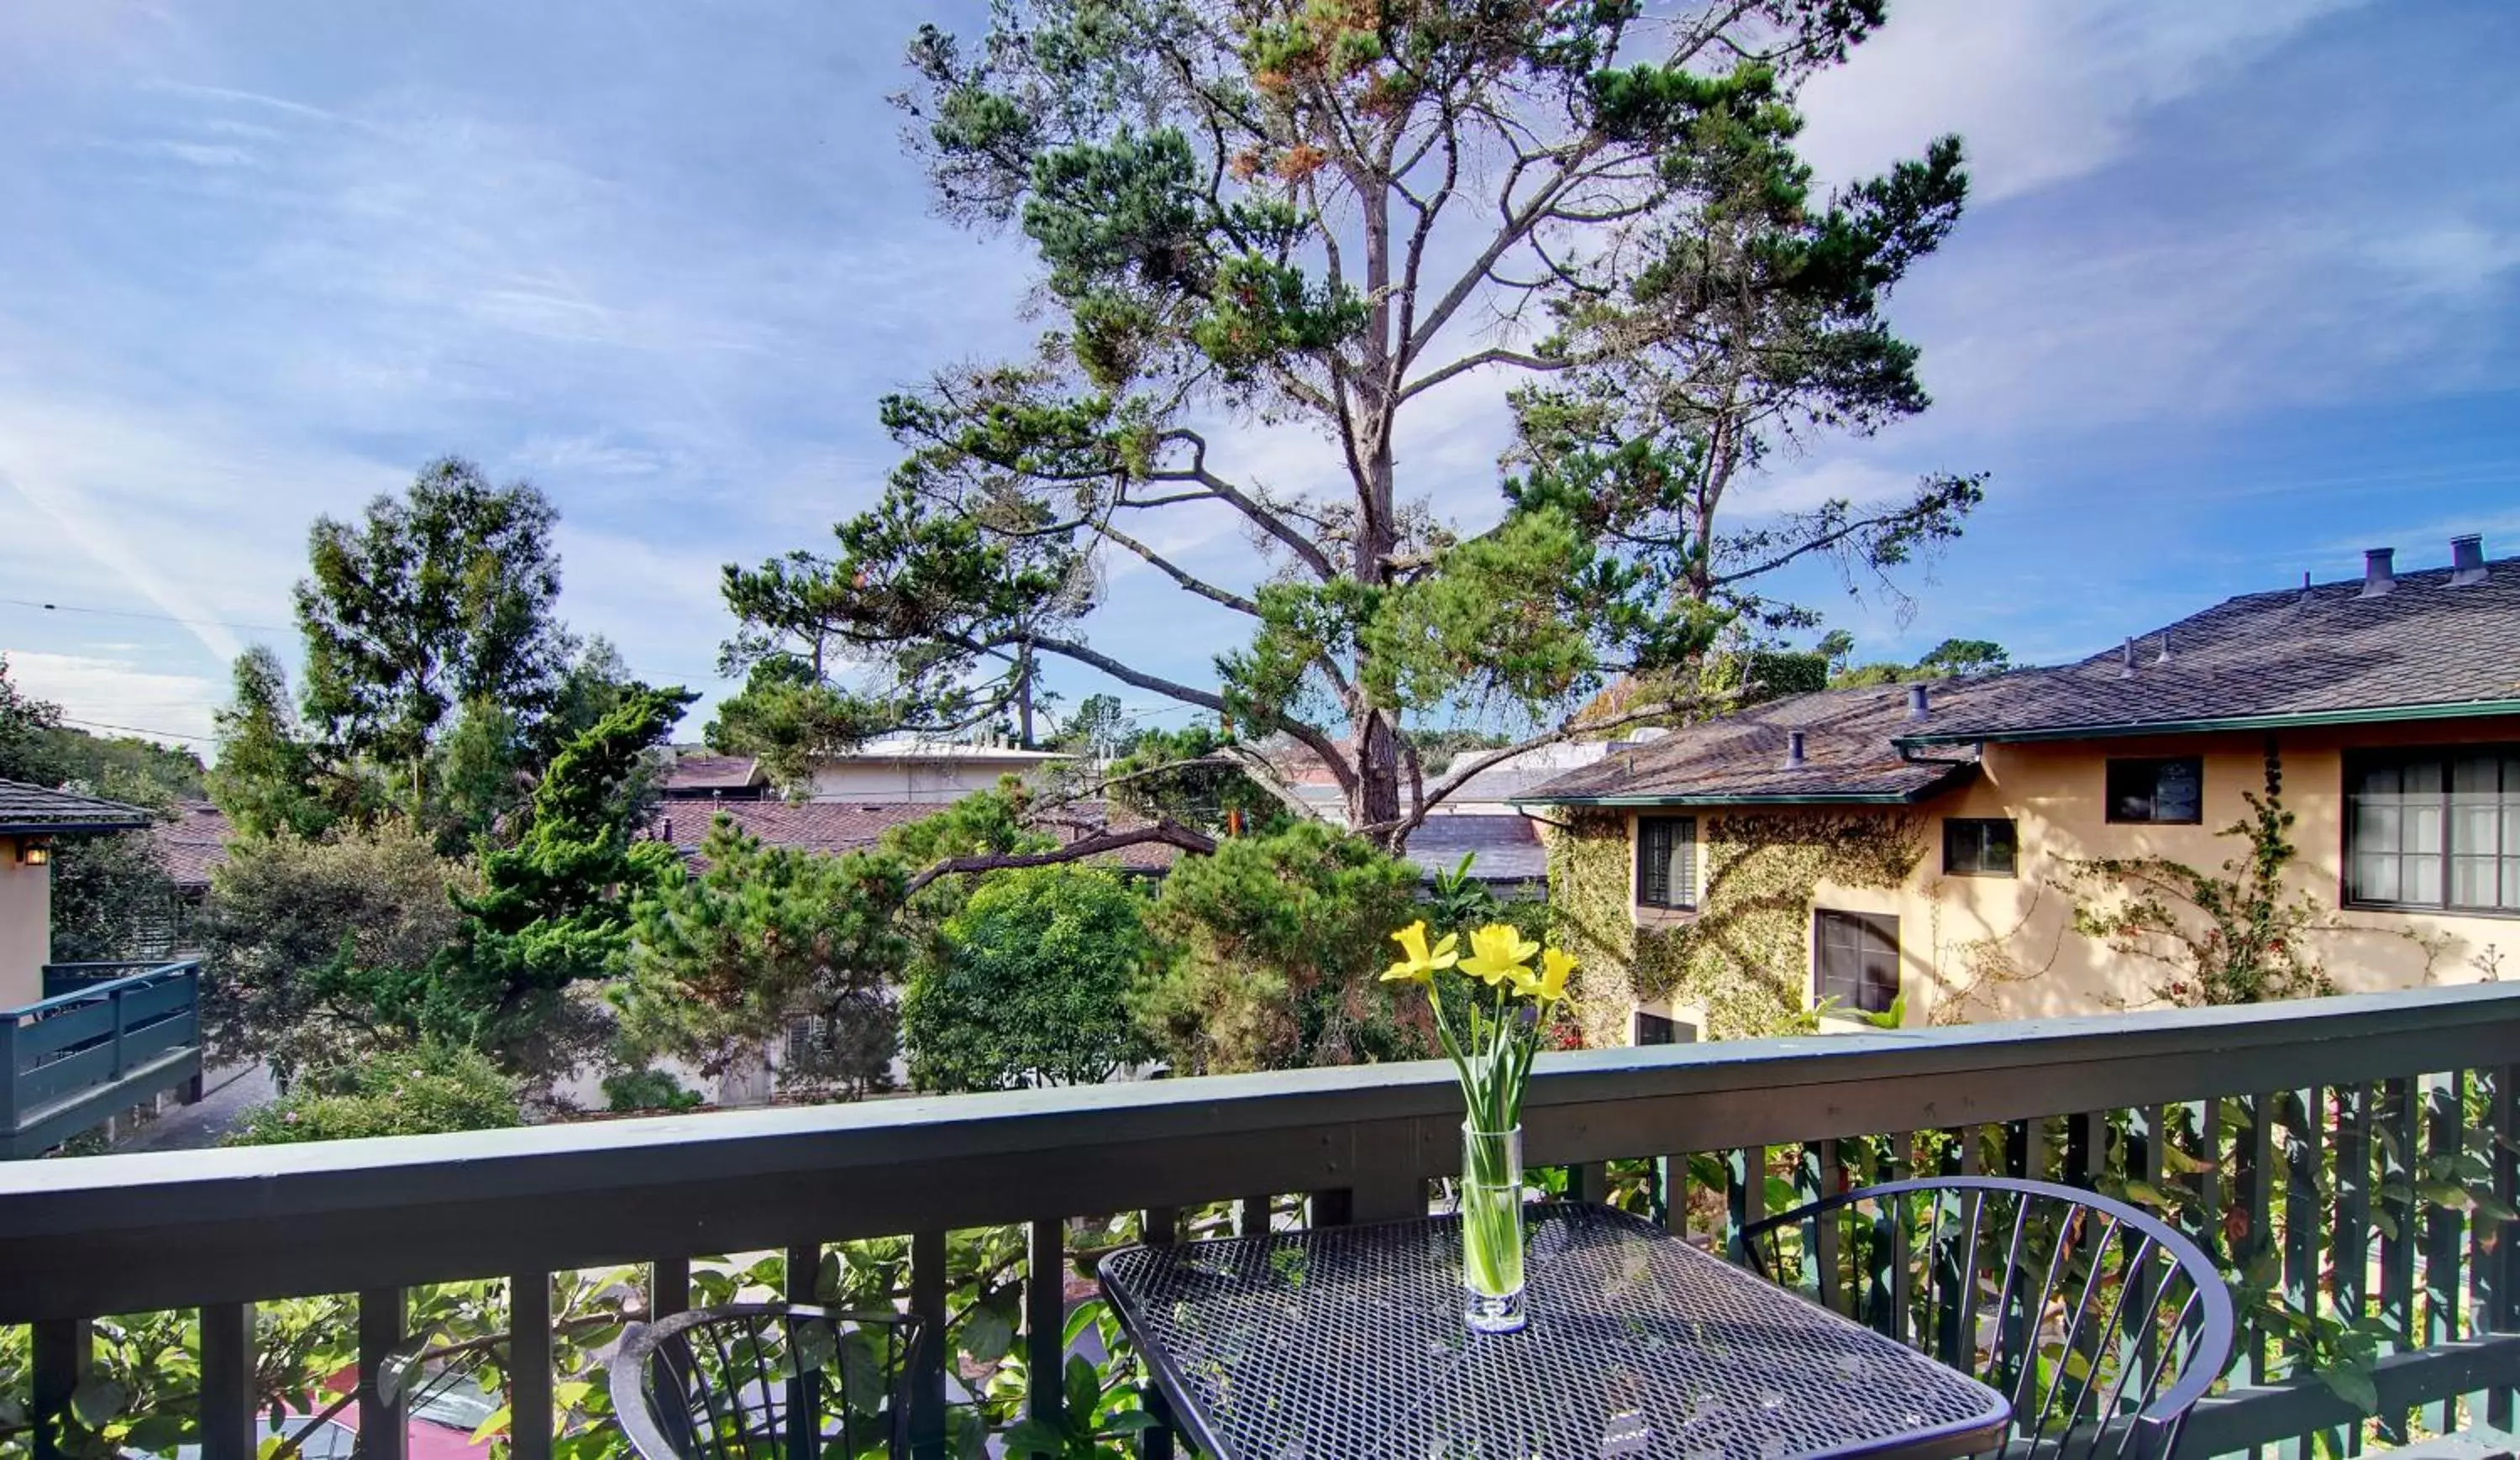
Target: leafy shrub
(422,1091)
(649,1089)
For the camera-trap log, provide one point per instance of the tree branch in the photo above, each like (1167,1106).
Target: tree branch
(1170,570)
(1497,355)
(1567,731)
(1163,833)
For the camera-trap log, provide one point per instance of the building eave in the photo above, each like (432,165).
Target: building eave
(2300,720)
(1957,773)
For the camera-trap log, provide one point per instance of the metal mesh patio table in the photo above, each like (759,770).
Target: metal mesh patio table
(1347,1343)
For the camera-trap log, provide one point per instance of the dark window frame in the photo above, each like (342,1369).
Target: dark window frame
(1671,899)
(1971,832)
(2446,853)
(2117,766)
(1883,926)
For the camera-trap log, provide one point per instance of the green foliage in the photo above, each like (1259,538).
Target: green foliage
(766,938)
(1199,790)
(554,910)
(26,751)
(649,1089)
(112,899)
(1755,676)
(1282,213)
(2239,937)
(1743,954)
(423,1090)
(436,600)
(1952,658)
(1276,948)
(1030,985)
(316,950)
(268,779)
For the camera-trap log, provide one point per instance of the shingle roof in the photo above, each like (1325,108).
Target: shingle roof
(1847,752)
(40,808)
(698,773)
(1502,848)
(834,827)
(2324,652)
(191,845)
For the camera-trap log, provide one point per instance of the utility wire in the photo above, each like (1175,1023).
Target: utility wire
(68,607)
(137,730)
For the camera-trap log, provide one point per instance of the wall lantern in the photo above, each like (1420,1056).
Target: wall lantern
(35,851)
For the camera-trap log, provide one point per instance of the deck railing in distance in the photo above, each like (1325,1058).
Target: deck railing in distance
(107,1037)
(2339,1155)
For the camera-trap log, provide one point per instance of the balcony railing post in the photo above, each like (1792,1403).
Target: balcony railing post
(804,1272)
(229,1430)
(934,1351)
(384,1425)
(120,1023)
(531,1418)
(63,1350)
(1045,1319)
(8,1073)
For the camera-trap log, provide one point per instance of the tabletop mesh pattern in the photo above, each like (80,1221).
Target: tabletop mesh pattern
(1346,1343)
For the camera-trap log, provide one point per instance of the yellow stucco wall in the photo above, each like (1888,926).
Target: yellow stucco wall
(26,927)
(1979,948)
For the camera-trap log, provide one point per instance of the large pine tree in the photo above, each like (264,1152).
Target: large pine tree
(1325,213)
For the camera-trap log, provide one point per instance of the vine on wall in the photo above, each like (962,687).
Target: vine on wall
(1744,956)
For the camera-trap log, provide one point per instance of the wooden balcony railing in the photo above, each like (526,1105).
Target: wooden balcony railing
(2339,1155)
(105,1038)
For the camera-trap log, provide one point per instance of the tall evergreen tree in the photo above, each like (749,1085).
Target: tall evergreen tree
(267,778)
(438,599)
(1325,213)
(554,910)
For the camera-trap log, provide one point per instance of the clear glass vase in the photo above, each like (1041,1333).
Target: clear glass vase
(1491,1210)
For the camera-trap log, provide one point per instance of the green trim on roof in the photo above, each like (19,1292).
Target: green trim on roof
(2368,715)
(1959,772)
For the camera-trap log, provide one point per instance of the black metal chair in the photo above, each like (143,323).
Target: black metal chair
(757,1381)
(2101,1323)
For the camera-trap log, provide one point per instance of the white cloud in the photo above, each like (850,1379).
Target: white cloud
(2039,92)
(114,695)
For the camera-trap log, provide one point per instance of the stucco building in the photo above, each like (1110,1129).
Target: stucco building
(1921,850)
(32,818)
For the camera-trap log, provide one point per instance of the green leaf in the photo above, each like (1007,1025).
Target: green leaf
(2144,1193)
(2353,1384)
(2266,1269)
(988,1333)
(1031,1436)
(2444,1193)
(97,1399)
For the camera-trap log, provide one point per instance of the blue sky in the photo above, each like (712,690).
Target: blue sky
(2235,297)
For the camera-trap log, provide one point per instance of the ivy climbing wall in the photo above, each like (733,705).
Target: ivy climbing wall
(1745,956)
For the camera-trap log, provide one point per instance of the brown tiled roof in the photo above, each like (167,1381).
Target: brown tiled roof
(1847,754)
(41,809)
(1502,848)
(2292,654)
(702,773)
(2325,652)
(834,827)
(193,844)
(811,826)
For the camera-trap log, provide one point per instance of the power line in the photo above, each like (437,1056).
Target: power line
(66,608)
(137,730)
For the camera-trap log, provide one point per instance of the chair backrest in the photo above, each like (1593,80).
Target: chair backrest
(2100,1322)
(764,1382)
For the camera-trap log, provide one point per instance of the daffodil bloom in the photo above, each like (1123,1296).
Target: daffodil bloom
(1499,954)
(1417,964)
(1548,985)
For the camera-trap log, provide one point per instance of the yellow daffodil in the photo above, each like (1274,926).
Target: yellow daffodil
(1499,954)
(1417,964)
(1548,985)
